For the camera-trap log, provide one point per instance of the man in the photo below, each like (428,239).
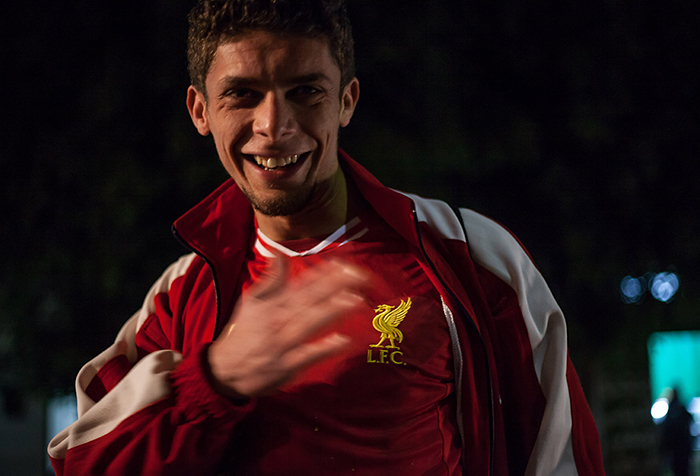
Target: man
(324,324)
(676,438)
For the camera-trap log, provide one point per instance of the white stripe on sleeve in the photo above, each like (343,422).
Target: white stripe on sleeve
(143,385)
(498,251)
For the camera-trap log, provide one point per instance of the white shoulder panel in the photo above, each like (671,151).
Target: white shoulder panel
(439,215)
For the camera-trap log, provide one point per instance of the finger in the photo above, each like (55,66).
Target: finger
(316,285)
(273,278)
(343,271)
(271,282)
(307,324)
(307,354)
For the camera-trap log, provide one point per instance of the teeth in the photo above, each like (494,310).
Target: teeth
(272,162)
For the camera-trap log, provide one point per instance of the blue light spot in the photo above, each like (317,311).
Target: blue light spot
(632,289)
(664,286)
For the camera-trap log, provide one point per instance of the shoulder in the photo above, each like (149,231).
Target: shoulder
(183,265)
(186,268)
(498,250)
(440,216)
(491,244)
(458,223)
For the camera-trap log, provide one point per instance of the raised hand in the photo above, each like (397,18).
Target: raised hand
(268,337)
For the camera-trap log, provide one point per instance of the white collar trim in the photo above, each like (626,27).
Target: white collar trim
(263,242)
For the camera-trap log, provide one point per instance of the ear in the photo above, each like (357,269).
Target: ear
(348,101)
(197,106)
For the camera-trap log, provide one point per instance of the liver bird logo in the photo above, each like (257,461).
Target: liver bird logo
(387,321)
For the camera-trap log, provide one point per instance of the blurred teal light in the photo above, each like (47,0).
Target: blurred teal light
(674,362)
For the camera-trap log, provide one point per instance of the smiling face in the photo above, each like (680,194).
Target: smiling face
(274,108)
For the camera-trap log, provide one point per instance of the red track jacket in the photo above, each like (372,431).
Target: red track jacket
(146,407)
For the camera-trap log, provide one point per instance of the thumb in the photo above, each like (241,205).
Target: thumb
(273,278)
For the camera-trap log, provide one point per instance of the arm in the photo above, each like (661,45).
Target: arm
(536,376)
(546,423)
(146,414)
(165,414)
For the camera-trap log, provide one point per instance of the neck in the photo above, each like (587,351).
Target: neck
(322,216)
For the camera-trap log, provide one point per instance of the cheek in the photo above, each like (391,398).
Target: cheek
(325,128)
(226,136)
(225,151)
(222,150)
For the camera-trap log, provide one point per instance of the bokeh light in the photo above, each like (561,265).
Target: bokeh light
(659,409)
(664,286)
(632,289)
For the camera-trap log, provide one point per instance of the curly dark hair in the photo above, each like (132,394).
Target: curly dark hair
(215,21)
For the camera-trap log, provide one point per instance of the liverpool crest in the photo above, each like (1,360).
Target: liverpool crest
(387,322)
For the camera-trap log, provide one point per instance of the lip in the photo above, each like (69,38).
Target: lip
(277,172)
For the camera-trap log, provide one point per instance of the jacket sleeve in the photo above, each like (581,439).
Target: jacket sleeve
(147,411)
(542,400)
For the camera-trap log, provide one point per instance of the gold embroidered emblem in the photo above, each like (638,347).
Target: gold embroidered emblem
(387,322)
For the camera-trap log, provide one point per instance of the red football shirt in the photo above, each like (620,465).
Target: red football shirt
(386,405)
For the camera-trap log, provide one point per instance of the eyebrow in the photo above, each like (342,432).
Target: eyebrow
(233,82)
(309,78)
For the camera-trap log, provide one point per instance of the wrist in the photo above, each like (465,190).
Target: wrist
(216,382)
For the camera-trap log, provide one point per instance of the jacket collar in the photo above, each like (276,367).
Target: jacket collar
(220,225)
(395,208)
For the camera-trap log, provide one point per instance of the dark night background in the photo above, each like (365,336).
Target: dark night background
(576,124)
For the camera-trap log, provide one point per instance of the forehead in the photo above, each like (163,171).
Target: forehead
(268,56)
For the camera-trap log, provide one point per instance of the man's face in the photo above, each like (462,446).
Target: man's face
(274,107)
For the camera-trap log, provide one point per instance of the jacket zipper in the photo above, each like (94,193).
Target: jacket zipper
(458,363)
(456,345)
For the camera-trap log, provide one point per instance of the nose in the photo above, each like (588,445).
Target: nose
(274,118)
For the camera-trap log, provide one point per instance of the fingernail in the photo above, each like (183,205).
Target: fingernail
(354,272)
(341,338)
(351,299)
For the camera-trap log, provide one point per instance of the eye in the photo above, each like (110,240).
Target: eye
(240,93)
(304,90)
(240,97)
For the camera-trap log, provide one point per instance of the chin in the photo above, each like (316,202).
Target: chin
(285,205)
